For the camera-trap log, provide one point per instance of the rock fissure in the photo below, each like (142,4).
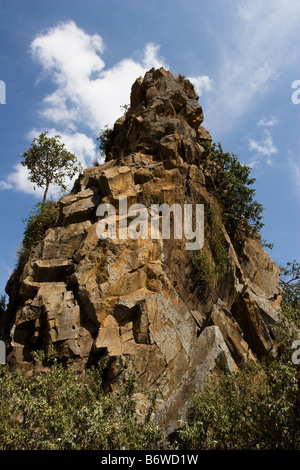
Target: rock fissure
(141,303)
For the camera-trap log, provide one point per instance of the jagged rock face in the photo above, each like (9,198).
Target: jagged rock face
(164,120)
(135,301)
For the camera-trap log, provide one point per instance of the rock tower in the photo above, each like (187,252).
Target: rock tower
(135,301)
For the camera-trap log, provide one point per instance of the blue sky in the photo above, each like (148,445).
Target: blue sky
(69,65)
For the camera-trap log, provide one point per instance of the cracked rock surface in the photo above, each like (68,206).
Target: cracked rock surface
(134,301)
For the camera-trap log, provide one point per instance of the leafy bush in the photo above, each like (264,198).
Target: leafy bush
(57,410)
(287,328)
(43,216)
(290,279)
(105,141)
(256,408)
(229,181)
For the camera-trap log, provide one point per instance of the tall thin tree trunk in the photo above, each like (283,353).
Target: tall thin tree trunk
(45,193)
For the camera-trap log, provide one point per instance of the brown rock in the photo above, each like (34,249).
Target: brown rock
(135,302)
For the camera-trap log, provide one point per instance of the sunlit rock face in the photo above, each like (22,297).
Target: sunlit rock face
(135,301)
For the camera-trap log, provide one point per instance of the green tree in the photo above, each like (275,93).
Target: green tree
(230,182)
(290,280)
(48,162)
(105,140)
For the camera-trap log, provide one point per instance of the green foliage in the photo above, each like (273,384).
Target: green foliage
(290,279)
(229,181)
(49,162)
(256,408)
(43,216)
(203,272)
(58,410)
(105,141)
(288,327)
(209,264)
(3,304)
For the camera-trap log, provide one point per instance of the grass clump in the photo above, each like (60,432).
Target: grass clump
(209,264)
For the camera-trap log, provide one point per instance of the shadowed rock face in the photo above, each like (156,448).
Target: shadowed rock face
(135,301)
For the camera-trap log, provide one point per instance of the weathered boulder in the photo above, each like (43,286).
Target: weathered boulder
(135,301)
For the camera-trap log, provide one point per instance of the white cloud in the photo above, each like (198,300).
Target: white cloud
(5,185)
(17,180)
(87,96)
(273,121)
(86,93)
(263,148)
(69,53)
(151,57)
(201,83)
(262,43)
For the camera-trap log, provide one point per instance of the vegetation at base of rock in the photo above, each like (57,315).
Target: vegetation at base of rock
(255,409)
(290,279)
(43,216)
(209,264)
(229,181)
(57,410)
(258,407)
(288,328)
(105,140)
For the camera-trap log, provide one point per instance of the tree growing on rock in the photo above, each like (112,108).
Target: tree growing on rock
(48,162)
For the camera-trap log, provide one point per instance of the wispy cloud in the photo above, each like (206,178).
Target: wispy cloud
(265,147)
(262,43)
(272,121)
